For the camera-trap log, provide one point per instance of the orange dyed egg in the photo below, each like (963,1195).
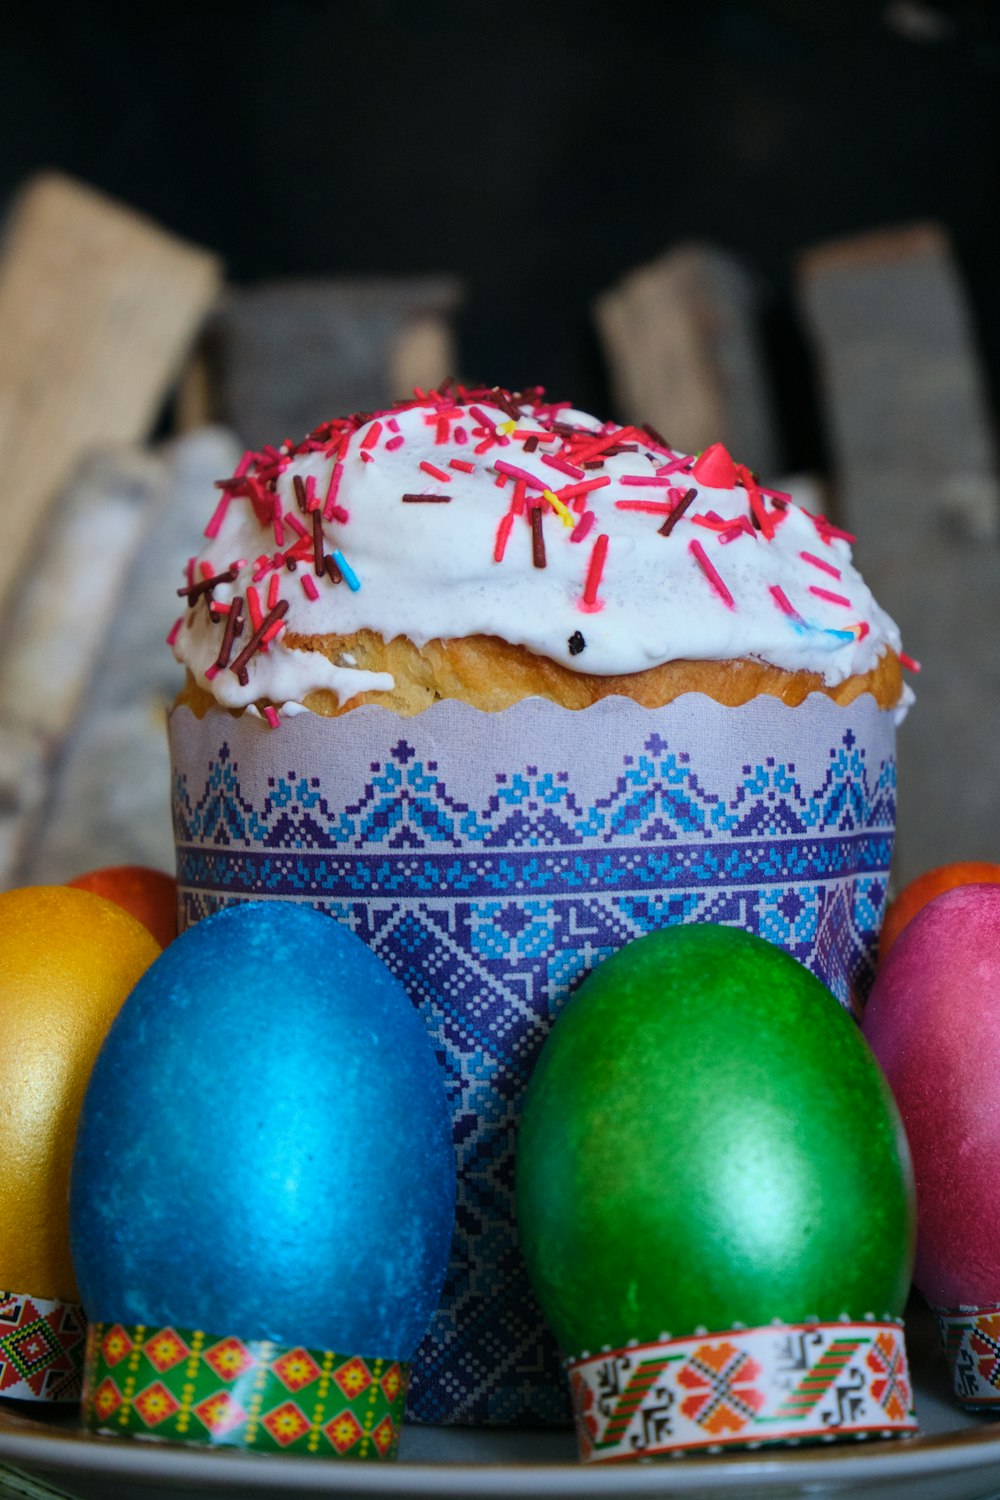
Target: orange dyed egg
(68,959)
(149,895)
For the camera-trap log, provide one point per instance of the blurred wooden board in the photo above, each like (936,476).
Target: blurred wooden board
(97,308)
(286,355)
(916,478)
(681,341)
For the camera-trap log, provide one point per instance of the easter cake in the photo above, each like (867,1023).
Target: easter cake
(502,687)
(457,546)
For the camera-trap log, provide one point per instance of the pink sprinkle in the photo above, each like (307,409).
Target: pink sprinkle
(504,467)
(827,530)
(244,464)
(279,527)
(590,603)
(673,466)
(484,446)
(503,533)
(212,672)
(583,527)
(818,562)
(701,557)
(175,630)
(517,504)
(308,587)
(781,600)
(861,629)
(271,715)
(434,471)
(561,464)
(461,436)
(654,479)
(312,499)
(366,458)
(331,490)
(273,590)
(462,465)
(441,436)
(776,494)
(480,416)
(395,442)
(296,524)
(392,424)
(218,515)
(372,436)
(831,598)
(738,528)
(908,662)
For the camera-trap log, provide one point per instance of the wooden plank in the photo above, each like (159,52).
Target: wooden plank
(97,308)
(681,341)
(916,478)
(108,800)
(291,354)
(58,622)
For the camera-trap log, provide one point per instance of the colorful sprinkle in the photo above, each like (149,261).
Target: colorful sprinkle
(595,571)
(350,577)
(537,538)
(828,596)
(711,573)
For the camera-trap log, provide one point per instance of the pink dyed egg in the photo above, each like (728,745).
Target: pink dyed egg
(933,1022)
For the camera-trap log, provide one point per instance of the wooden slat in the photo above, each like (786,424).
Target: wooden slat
(97,307)
(916,477)
(681,340)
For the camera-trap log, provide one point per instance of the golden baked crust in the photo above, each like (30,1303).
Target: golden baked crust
(491,674)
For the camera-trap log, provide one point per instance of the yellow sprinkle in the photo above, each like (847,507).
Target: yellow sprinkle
(507,427)
(565,515)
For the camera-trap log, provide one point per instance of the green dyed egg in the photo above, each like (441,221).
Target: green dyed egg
(707,1141)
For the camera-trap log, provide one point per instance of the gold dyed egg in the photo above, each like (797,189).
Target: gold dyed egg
(67,961)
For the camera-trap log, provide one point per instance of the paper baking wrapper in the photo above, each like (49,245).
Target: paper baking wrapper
(491,860)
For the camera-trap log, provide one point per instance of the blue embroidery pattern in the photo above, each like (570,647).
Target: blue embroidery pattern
(490,915)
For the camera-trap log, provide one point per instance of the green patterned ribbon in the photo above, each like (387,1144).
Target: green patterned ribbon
(194,1387)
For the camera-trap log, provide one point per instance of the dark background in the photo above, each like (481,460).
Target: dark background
(538,152)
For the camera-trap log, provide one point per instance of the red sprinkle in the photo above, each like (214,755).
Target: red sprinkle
(435,472)
(658,479)
(595,569)
(308,587)
(395,442)
(331,492)
(253,605)
(648,507)
(273,590)
(701,557)
(503,533)
(908,662)
(271,715)
(372,436)
(175,630)
(462,464)
(570,491)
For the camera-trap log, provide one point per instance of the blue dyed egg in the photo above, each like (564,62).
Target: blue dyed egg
(265,1144)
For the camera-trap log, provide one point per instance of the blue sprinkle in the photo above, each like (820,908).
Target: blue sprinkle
(350,577)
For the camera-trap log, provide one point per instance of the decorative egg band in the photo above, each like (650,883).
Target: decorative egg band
(801,1382)
(41,1348)
(971,1338)
(194,1387)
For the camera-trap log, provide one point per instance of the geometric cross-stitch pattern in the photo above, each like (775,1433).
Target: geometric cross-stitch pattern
(41,1348)
(241,1393)
(749,1387)
(491,861)
(971,1338)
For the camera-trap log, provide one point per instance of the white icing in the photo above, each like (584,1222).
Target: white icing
(427,570)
